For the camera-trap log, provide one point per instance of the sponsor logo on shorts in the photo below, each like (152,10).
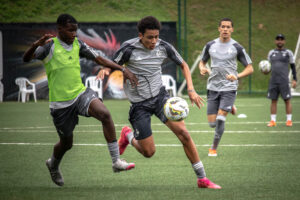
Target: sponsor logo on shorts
(136,133)
(228,107)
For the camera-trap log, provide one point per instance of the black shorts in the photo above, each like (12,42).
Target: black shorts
(140,114)
(65,119)
(223,100)
(276,89)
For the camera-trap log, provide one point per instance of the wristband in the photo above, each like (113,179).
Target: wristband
(191,90)
(123,69)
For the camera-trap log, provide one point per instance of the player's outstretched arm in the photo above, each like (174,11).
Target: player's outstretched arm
(194,97)
(126,72)
(29,53)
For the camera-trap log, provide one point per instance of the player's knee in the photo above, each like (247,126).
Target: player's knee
(68,146)
(67,143)
(212,124)
(148,153)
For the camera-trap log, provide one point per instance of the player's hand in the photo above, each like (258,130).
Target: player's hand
(204,70)
(103,72)
(294,84)
(195,98)
(231,77)
(129,75)
(44,40)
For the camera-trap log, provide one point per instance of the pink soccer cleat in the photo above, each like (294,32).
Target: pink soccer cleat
(206,183)
(123,141)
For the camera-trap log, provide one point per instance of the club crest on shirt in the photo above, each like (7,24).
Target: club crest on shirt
(159,53)
(229,51)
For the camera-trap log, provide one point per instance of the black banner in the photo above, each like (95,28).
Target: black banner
(106,38)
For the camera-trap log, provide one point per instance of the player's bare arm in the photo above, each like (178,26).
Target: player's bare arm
(203,69)
(246,72)
(126,72)
(29,54)
(194,97)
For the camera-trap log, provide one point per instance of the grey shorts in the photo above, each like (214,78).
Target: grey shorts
(66,119)
(223,100)
(276,89)
(140,114)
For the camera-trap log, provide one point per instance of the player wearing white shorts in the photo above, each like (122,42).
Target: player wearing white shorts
(222,83)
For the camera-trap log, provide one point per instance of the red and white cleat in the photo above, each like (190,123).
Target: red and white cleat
(123,141)
(122,165)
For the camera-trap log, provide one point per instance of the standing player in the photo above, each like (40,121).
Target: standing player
(144,56)
(280,59)
(68,96)
(222,83)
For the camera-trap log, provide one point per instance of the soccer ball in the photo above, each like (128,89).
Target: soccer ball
(176,109)
(264,66)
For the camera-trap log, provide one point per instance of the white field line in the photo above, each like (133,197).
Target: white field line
(153,124)
(154,131)
(159,145)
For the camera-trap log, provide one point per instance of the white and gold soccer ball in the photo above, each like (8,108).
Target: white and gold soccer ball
(176,109)
(264,66)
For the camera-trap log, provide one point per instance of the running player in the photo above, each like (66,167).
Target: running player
(222,83)
(144,56)
(68,96)
(280,58)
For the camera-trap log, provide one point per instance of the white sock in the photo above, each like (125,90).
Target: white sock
(129,137)
(288,117)
(273,118)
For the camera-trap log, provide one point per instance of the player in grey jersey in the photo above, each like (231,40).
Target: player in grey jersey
(144,57)
(222,83)
(280,59)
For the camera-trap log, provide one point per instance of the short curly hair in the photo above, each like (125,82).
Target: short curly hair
(148,22)
(64,19)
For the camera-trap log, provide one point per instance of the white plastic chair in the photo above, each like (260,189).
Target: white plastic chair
(25,89)
(169,83)
(94,84)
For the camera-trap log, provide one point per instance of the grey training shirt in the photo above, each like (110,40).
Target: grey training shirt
(223,61)
(146,65)
(280,60)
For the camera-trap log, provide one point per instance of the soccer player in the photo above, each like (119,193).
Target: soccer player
(144,56)
(280,58)
(68,96)
(222,83)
